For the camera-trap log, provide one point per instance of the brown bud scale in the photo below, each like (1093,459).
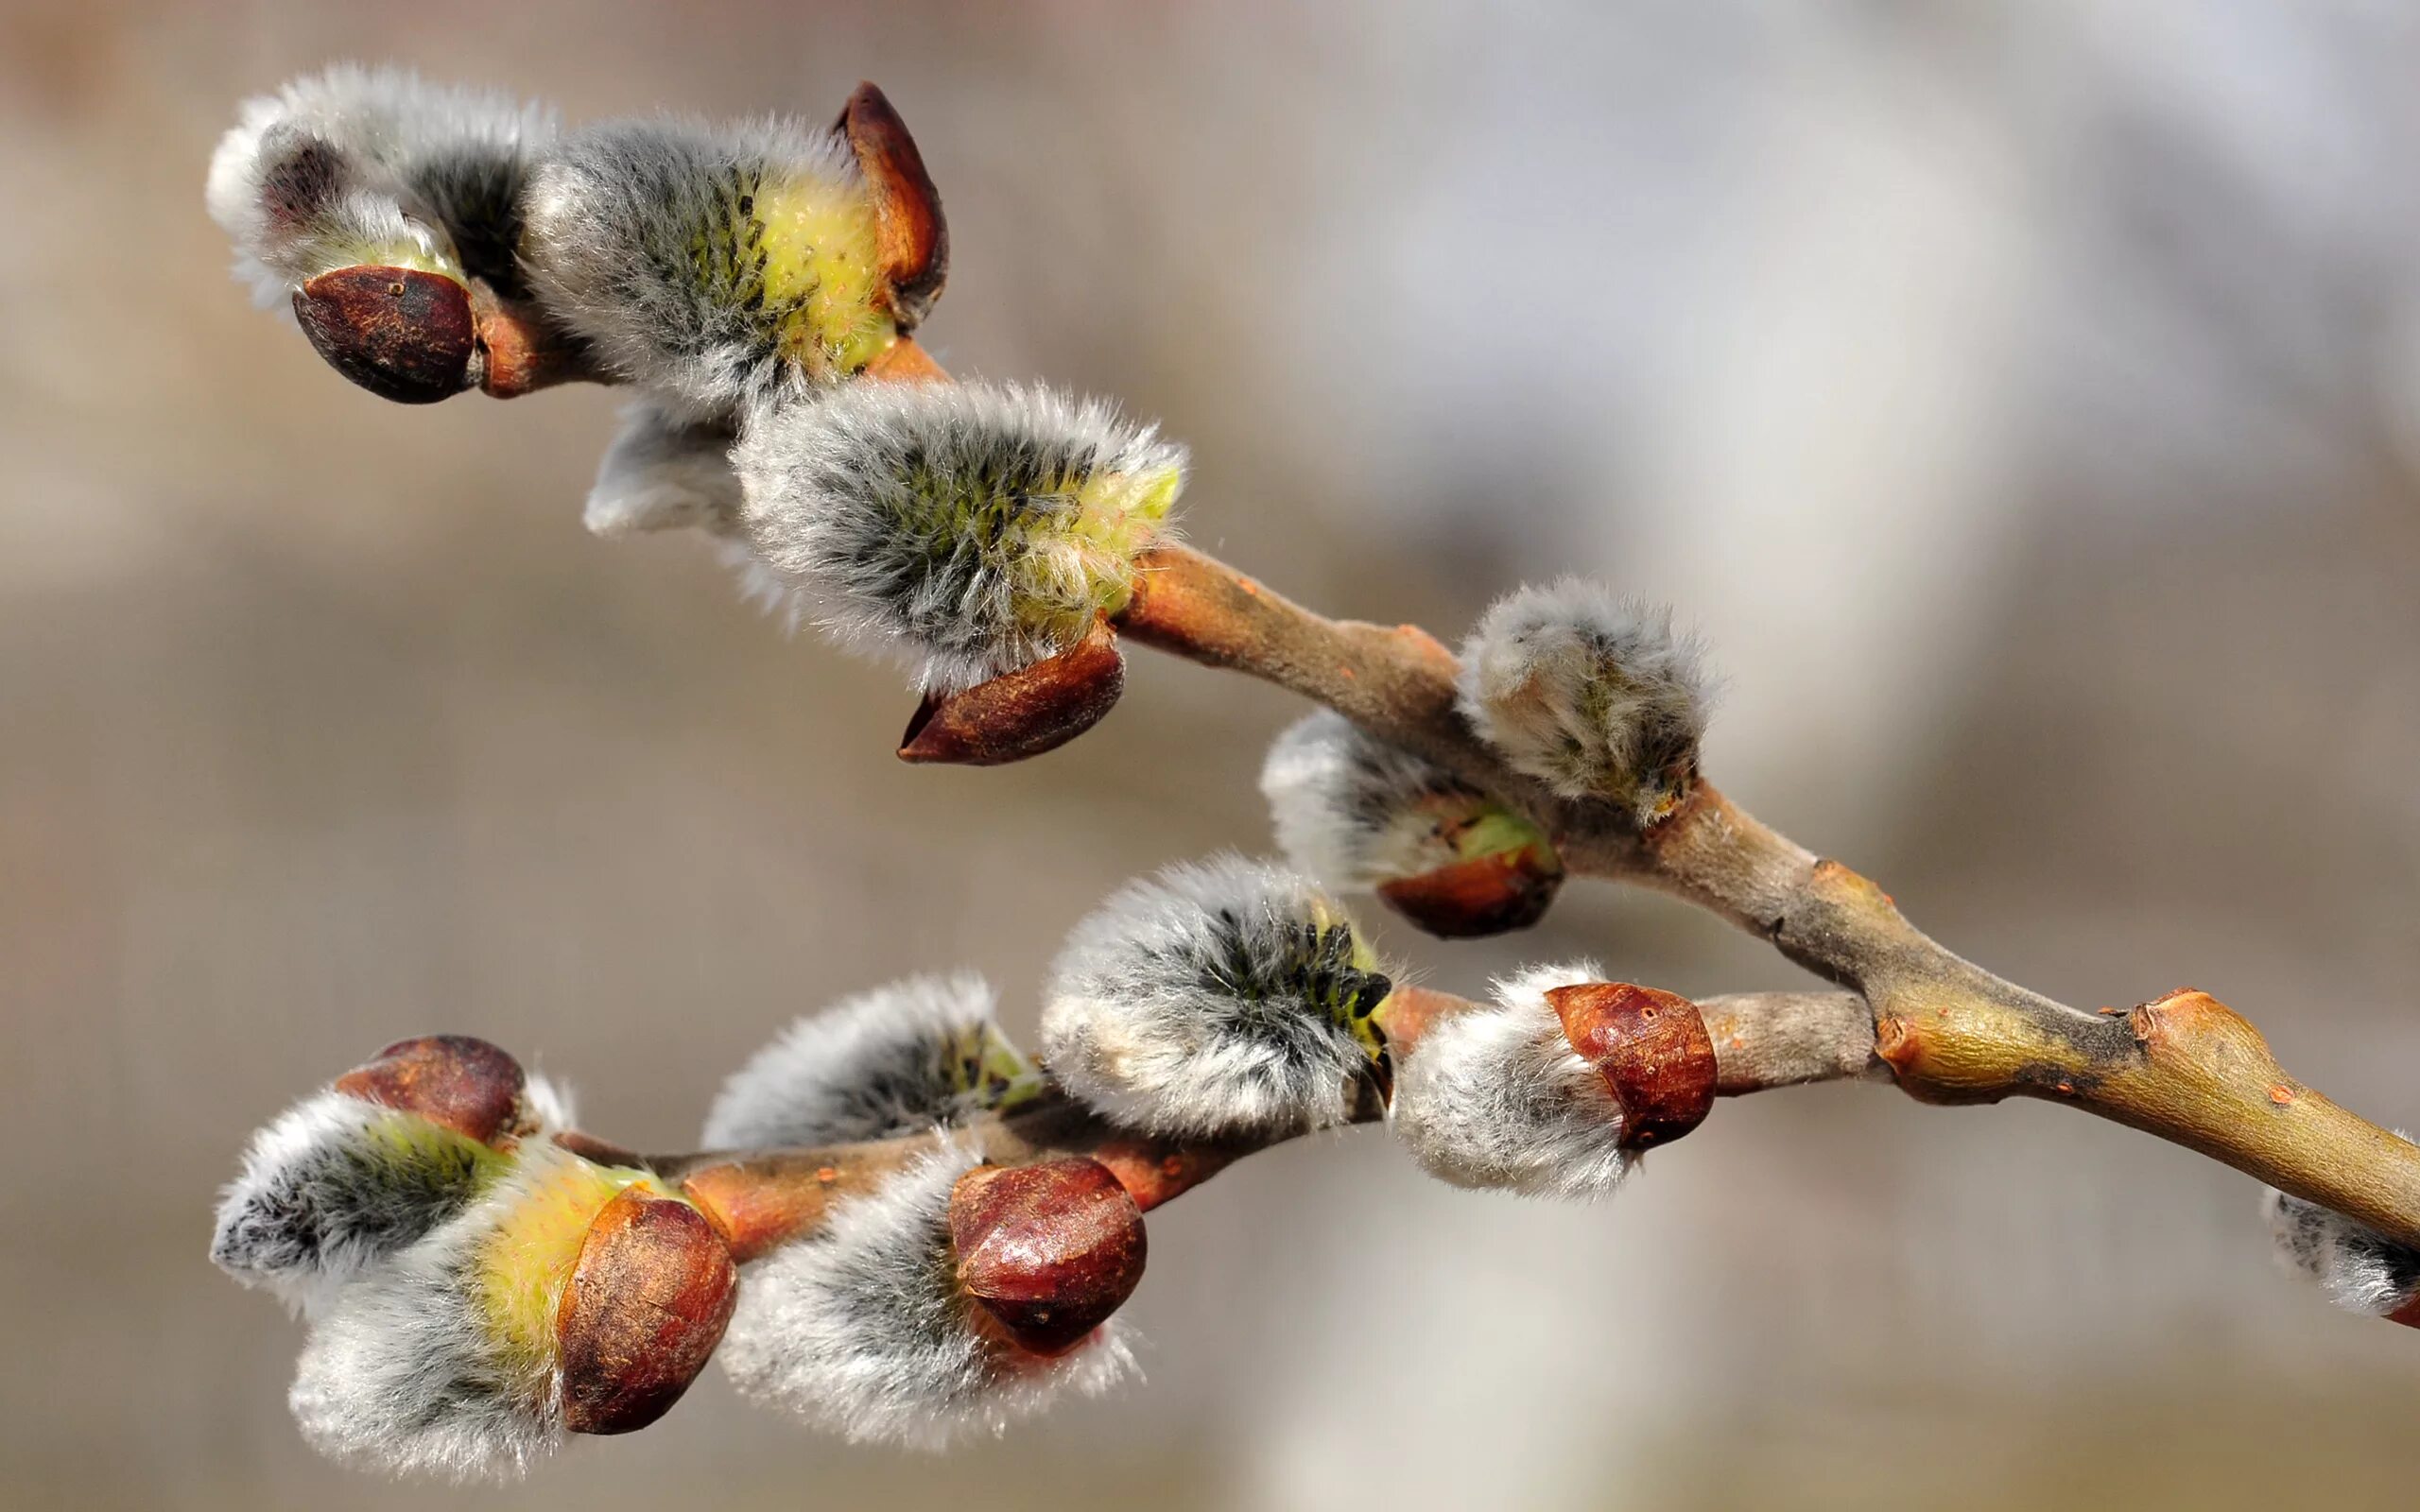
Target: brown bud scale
(1022,713)
(647,1303)
(1050,1250)
(907,207)
(452,1080)
(401,332)
(1478,897)
(1653,1049)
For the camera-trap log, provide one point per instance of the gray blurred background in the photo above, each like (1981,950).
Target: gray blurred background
(2024,399)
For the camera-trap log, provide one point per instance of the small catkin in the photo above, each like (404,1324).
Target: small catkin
(966,530)
(1223,998)
(1592,695)
(863,1331)
(664,474)
(894,1061)
(445,1360)
(2360,1269)
(337,1185)
(713,266)
(374,165)
(1355,811)
(1497,1097)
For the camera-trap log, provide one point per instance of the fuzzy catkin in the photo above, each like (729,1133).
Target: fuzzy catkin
(354,164)
(434,1364)
(2360,1269)
(894,1061)
(715,266)
(862,1330)
(1593,695)
(965,529)
(661,473)
(1229,997)
(337,1185)
(1352,811)
(1495,1098)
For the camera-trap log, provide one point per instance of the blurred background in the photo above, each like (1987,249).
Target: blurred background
(2024,400)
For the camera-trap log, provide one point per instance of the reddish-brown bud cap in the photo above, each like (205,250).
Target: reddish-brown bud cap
(907,207)
(646,1305)
(1650,1047)
(453,1080)
(401,332)
(1481,896)
(1050,1250)
(1025,713)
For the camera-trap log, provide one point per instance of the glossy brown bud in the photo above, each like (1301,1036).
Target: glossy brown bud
(1480,896)
(452,1080)
(1651,1048)
(908,208)
(1050,1250)
(401,332)
(1025,713)
(646,1305)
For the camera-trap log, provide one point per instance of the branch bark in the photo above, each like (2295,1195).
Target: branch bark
(2183,1066)
(762,1198)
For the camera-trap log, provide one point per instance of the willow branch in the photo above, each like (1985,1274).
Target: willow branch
(2183,1067)
(762,1198)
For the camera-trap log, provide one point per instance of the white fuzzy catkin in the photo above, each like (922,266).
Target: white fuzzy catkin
(1223,998)
(1591,695)
(1497,1097)
(1352,811)
(337,1185)
(893,1060)
(356,165)
(862,1330)
(664,474)
(407,1370)
(647,239)
(2360,1269)
(966,530)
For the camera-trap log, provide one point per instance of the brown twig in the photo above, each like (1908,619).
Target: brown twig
(760,1198)
(2183,1066)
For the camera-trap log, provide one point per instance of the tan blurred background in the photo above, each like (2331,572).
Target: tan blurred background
(2024,399)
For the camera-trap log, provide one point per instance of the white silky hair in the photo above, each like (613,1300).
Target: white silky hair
(612,221)
(1189,1003)
(874,1064)
(1495,1098)
(2360,1269)
(866,503)
(663,473)
(1592,694)
(337,1185)
(351,158)
(862,1330)
(1343,804)
(404,1373)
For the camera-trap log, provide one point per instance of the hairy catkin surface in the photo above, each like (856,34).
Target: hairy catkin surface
(1222,998)
(966,530)
(863,1331)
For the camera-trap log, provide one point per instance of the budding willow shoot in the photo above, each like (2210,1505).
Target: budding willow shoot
(1497,1097)
(902,1228)
(967,530)
(866,1330)
(895,1060)
(1215,999)
(1592,695)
